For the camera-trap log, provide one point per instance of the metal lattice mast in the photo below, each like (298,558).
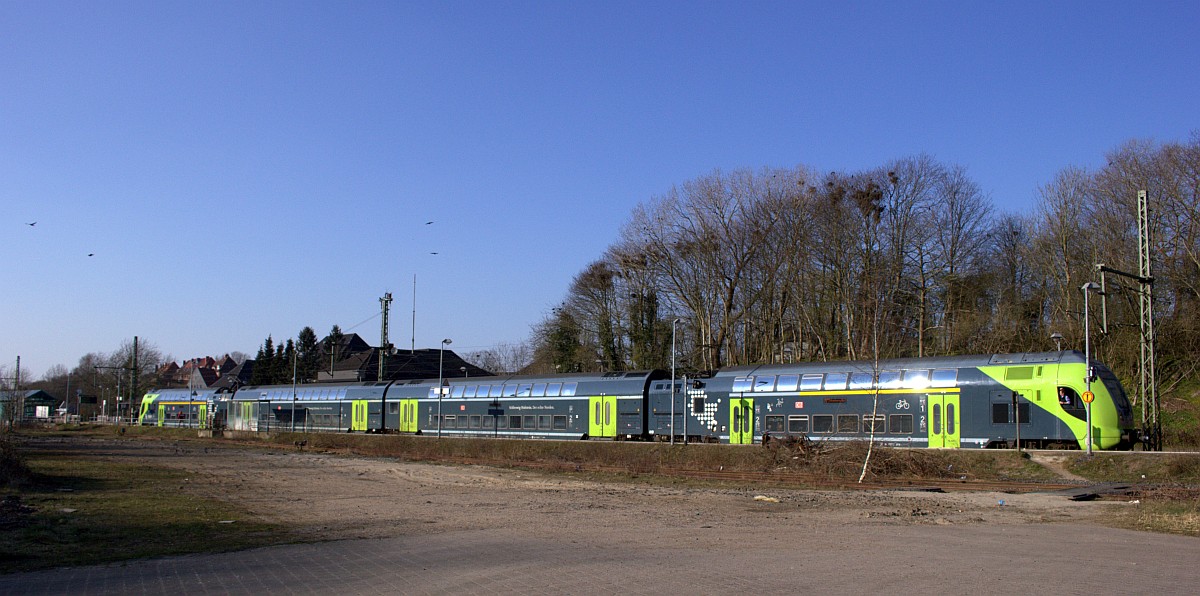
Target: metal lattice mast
(384,346)
(1151,422)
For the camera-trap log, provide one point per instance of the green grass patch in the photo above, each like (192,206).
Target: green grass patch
(1154,468)
(79,511)
(1170,516)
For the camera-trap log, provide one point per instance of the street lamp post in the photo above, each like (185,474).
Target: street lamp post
(294,352)
(1087,289)
(673,324)
(441,390)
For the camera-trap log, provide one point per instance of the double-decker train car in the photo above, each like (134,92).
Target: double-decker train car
(945,402)
(576,406)
(188,408)
(949,402)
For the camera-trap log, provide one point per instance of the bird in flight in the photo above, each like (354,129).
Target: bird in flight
(91,254)
(433,253)
(428,222)
(31,224)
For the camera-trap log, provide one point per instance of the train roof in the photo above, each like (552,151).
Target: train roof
(967,361)
(621,377)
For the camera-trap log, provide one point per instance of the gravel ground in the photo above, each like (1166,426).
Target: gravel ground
(388,527)
(334,497)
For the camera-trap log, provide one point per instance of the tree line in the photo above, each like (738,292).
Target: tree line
(907,259)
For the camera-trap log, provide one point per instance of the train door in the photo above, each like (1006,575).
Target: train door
(358,415)
(203,416)
(944,421)
(741,421)
(264,416)
(408,415)
(603,416)
(162,414)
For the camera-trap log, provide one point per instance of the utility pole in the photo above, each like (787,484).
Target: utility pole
(133,377)
(1147,367)
(384,345)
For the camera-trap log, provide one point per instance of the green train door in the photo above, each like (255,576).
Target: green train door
(162,414)
(741,421)
(408,415)
(602,416)
(358,415)
(203,415)
(944,421)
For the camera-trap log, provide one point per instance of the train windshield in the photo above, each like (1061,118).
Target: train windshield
(1120,400)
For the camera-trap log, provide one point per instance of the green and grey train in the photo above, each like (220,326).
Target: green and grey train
(945,402)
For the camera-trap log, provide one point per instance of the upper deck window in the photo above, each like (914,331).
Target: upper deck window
(861,380)
(835,381)
(742,384)
(552,389)
(889,379)
(811,382)
(944,377)
(764,383)
(568,389)
(469,391)
(539,389)
(524,389)
(916,379)
(457,390)
(788,382)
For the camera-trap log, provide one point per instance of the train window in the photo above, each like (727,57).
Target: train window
(822,423)
(488,421)
(950,418)
(514,422)
(847,423)
(497,390)
(448,422)
(774,424)
(544,422)
(861,381)
(539,389)
(457,391)
(742,384)
(530,422)
(698,405)
(393,408)
(1023,413)
(764,383)
(1000,413)
(568,389)
(502,422)
(875,424)
(944,377)
(552,389)
(935,419)
(475,421)
(811,382)
(835,381)
(797,424)
(524,389)
(788,382)
(889,379)
(901,424)
(469,391)
(560,423)
(510,390)
(916,379)
(433,392)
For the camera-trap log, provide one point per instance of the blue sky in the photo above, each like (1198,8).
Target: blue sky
(241,169)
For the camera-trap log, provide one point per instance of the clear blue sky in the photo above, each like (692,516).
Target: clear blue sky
(242,169)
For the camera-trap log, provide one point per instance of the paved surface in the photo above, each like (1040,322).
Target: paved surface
(975,559)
